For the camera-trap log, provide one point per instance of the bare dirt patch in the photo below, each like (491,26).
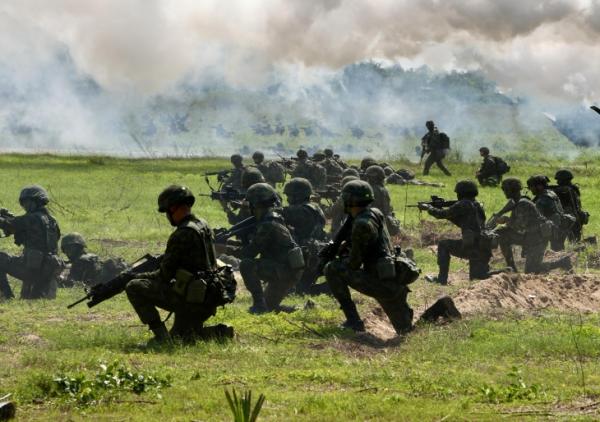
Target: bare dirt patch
(530,293)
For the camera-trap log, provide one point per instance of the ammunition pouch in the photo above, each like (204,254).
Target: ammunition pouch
(295,258)
(190,287)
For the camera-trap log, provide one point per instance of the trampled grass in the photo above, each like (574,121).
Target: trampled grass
(306,366)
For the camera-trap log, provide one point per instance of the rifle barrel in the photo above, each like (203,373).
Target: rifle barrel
(86,297)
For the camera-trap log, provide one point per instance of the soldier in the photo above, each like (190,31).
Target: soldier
(190,251)
(367,162)
(281,262)
(570,198)
(436,144)
(87,268)
(333,169)
(307,223)
(335,157)
(375,176)
(492,168)
(37,231)
(250,177)
(365,268)
(549,206)
(350,171)
(337,210)
(528,228)
(272,171)
(235,178)
(469,216)
(315,173)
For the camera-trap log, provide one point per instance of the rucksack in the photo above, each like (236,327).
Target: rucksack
(275,172)
(502,166)
(444,141)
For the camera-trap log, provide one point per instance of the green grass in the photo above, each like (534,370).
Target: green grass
(305,365)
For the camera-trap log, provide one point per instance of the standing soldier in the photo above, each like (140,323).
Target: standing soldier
(235,178)
(189,256)
(492,168)
(369,266)
(549,206)
(436,144)
(37,231)
(375,176)
(570,198)
(468,215)
(307,223)
(529,229)
(281,262)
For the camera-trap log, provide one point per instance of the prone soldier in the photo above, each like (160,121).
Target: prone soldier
(189,260)
(529,229)
(468,215)
(281,262)
(39,266)
(436,144)
(362,257)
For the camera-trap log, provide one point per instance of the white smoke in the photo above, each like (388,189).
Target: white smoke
(123,54)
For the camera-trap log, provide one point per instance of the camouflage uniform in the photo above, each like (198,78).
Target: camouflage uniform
(376,177)
(338,214)
(570,198)
(235,178)
(432,143)
(524,228)
(488,173)
(313,172)
(550,207)
(369,241)
(85,267)
(38,232)
(470,217)
(272,241)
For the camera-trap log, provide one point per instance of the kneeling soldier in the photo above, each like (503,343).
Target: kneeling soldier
(189,253)
(370,264)
(281,262)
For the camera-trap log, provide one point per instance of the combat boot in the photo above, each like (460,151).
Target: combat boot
(353,320)
(259,306)
(436,280)
(161,335)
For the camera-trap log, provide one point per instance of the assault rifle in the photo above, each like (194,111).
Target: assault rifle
(288,163)
(331,250)
(331,193)
(436,202)
(596,109)
(5,217)
(221,174)
(227,194)
(241,229)
(104,291)
(493,220)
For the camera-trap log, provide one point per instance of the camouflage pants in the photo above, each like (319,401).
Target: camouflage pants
(478,259)
(279,279)
(533,249)
(145,295)
(435,157)
(390,294)
(37,284)
(490,180)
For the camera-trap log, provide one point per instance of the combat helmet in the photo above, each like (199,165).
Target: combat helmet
(375,173)
(72,239)
(35,193)
(563,175)
(538,179)
(298,189)
(367,162)
(357,193)
(388,171)
(251,176)
(302,154)
(485,150)
(466,189)
(258,156)
(175,195)
(261,195)
(328,152)
(350,172)
(319,156)
(512,184)
(348,179)
(236,159)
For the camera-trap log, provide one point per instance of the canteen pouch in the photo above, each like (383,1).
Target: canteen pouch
(182,279)
(296,258)
(33,259)
(386,268)
(196,291)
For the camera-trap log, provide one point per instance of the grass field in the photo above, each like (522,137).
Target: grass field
(518,366)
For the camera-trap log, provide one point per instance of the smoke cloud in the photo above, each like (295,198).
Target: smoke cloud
(99,74)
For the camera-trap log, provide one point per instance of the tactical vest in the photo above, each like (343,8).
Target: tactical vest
(207,236)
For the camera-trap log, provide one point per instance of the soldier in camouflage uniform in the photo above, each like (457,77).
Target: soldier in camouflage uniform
(281,262)
(570,198)
(338,213)
(369,246)
(331,156)
(267,169)
(350,171)
(315,173)
(235,178)
(469,216)
(37,231)
(375,176)
(333,169)
(549,206)
(433,144)
(87,268)
(190,251)
(307,223)
(250,177)
(488,174)
(529,229)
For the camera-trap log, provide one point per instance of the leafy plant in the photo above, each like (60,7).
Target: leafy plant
(241,406)
(517,389)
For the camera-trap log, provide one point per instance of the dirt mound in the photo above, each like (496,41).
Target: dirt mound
(523,292)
